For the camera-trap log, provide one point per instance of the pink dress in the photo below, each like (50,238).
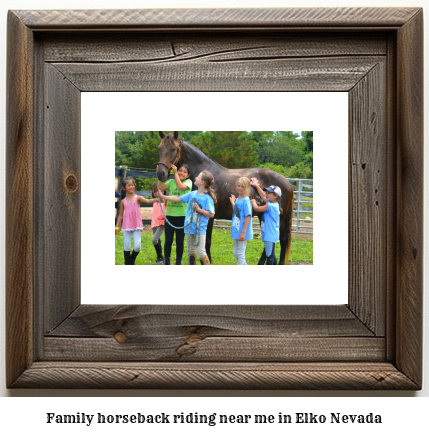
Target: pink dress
(132,219)
(157,215)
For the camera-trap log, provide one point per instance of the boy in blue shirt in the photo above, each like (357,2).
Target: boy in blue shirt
(270,221)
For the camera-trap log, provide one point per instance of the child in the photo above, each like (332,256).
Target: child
(200,210)
(270,219)
(131,219)
(176,212)
(157,224)
(241,227)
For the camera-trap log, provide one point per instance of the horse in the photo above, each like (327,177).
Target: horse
(174,151)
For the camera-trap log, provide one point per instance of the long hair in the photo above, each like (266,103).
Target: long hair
(124,183)
(207,178)
(246,182)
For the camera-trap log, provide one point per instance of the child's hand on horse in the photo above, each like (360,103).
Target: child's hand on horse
(254,181)
(232,199)
(174,168)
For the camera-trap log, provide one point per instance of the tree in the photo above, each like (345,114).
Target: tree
(299,171)
(308,138)
(230,149)
(277,168)
(144,152)
(190,136)
(284,148)
(138,149)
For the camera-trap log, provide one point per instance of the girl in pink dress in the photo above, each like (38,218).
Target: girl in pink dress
(131,218)
(158,223)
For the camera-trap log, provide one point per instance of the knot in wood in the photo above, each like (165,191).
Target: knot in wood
(70,183)
(120,337)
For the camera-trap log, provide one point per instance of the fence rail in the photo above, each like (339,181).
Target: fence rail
(303,201)
(303,193)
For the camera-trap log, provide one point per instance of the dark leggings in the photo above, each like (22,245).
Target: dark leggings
(270,260)
(176,221)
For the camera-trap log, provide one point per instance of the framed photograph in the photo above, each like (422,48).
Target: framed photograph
(132,113)
(372,341)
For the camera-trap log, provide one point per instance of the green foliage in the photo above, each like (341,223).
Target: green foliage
(284,148)
(189,136)
(145,184)
(308,138)
(230,149)
(277,168)
(137,149)
(299,171)
(120,158)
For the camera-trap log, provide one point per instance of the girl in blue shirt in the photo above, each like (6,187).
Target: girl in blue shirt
(270,219)
(241,226)
(200,210)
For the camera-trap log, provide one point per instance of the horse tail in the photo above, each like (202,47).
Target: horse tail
(288,231)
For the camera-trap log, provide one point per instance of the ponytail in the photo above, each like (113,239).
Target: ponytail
(208,180)
(212,194)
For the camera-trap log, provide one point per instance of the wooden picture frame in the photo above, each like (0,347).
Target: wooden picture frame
(373,342)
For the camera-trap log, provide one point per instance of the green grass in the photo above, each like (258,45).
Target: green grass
(221,249)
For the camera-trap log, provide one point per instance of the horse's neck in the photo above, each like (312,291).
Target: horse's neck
(196,159)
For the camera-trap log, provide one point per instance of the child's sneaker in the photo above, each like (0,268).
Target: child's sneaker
(160,261)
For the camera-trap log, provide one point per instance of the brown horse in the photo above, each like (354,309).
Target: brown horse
(174,151)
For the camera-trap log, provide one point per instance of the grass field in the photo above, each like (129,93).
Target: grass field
(221,250)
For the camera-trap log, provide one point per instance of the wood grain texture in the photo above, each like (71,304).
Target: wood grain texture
(409,273)
(99,321)
(170,47)
(373,343)
(151,19)
(213,333)
(391,224)
(368,173)
(331,74)
(193,348)
(61,205)
(19,176)
(248,376)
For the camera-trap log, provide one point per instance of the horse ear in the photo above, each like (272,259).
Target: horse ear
(161,134)
(176,135)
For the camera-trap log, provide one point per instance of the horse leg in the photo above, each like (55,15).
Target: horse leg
(209,238)
(263,257)
(286,236)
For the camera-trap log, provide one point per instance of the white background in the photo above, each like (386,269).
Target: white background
(17,414)
(327,116)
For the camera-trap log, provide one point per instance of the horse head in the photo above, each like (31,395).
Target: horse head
(169,154)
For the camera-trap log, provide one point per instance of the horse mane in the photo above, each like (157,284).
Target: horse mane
(196,151)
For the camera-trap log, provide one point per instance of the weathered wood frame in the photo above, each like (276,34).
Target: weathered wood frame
(374,342)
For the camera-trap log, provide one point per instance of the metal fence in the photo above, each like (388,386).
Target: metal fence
(303,210)
(302,221)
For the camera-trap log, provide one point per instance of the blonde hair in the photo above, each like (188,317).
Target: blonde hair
(208,179)
(246,182)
